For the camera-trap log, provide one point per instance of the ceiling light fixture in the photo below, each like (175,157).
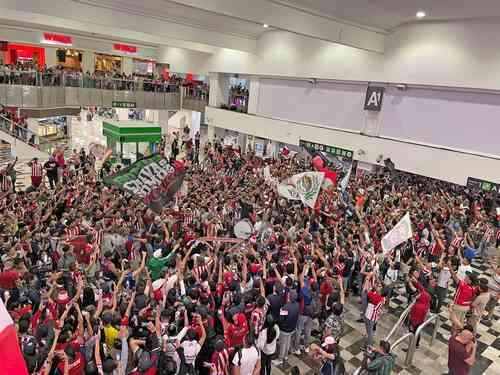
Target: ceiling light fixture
(420,14)
(265,26)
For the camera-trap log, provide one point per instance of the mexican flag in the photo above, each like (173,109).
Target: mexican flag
(151,178)
(304,186)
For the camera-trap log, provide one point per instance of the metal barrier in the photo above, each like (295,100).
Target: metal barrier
(413,344)
(81,80)
(18,132)
(399,323)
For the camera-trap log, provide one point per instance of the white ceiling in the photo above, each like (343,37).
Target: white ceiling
(387,14)
(171,11)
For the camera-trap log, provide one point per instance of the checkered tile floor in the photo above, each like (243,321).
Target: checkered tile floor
(428,360)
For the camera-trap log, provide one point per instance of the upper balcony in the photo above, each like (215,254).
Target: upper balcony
(31,89)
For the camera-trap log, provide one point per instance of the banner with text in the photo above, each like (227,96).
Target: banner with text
(153,179)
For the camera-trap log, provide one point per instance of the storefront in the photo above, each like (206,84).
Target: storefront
(143,67)
(108,63)
(26,55)
(70,59)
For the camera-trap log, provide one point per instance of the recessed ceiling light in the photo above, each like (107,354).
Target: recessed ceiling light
(265,26)
(420,14)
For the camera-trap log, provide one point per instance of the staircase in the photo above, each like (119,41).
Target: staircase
(21,140)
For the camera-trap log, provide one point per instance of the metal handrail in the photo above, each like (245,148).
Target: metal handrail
(400,321)
(17,131)
(413,344)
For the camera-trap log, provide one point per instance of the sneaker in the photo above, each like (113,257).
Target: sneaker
(306,350)
(297,352)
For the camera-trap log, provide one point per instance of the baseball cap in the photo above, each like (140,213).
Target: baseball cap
(472,277)
(329,340)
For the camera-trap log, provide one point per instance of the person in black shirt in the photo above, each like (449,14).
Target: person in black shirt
(50,167)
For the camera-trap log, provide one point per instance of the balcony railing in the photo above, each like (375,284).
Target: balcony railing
(18,131)
(83,80)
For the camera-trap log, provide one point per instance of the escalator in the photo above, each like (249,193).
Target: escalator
(22,141)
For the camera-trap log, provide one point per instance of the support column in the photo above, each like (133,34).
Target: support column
(253,94)
(210,133)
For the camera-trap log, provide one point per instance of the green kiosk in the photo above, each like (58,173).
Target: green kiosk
(125,133)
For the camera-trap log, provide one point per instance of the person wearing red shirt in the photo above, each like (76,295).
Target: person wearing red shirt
(465,293)
(419,311)
(73,360)
(376,300)
(235,332)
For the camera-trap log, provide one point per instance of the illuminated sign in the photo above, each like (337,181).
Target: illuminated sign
(60,39)
(125,48)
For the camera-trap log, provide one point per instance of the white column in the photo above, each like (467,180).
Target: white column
(50,56)
(213,87)
(253,94)
(88,62)
(127,65)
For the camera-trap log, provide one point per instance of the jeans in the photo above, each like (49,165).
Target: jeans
(369,324)
(265,363)
(364,303)
(304,325)
(285,340)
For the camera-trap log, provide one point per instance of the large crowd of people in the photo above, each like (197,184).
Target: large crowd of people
(98,283)
(59,76)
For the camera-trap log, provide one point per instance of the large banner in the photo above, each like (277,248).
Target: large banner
(400,233)
(151,178)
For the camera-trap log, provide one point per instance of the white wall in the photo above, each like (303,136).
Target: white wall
(461,53)
(423,160)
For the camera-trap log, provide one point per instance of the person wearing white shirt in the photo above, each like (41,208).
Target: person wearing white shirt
(247,361)
(266,343)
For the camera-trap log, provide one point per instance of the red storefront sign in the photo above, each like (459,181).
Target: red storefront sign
(57,39)
(125,48)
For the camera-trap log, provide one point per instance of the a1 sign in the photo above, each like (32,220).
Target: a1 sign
(374,97)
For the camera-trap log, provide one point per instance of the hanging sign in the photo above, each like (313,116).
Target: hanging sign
(64,40)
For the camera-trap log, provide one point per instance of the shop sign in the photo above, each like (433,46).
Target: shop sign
(124,104)
(124,48)
(64,40)
(337,151)
(373,98)
(477,184)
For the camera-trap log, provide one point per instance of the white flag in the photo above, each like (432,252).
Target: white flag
(397,235)
(308,185)
(345,180)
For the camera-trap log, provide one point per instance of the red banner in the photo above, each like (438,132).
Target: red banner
(57,38)
(125,48)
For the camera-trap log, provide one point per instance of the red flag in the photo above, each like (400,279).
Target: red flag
(11,359)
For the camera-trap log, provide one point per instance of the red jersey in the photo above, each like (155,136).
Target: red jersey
(76,367)
(375,303)
(464,295)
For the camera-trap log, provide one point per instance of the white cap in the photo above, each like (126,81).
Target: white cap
(329,341)
(157,253)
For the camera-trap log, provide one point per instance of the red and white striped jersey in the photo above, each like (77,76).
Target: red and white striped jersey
(73,231)
(6,184)
(457,242)
(36,169)
(464,295)
(220,362)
